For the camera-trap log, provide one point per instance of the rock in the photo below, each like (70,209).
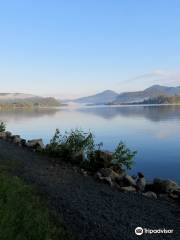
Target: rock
(177,192)
(98,175)
(108,172)
(77,158)
(8,134)
(84,173)
(141,182)
(23,142)
(35,144)
(168,196)
(2,135)
(150,195)
(105,179)
(102,158)
(127,189)
(106,155)
(134,177)
(129,181)
(16,139)
(173,196)
(164,186)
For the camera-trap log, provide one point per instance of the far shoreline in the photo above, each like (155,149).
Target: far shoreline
(30,107)
(130,104)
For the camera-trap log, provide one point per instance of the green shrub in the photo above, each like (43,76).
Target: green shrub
(123,156)
(79,148)
(2,127)
(71,143)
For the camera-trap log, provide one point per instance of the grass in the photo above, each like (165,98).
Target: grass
(24,215)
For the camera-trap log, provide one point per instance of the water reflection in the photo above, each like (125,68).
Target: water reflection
(22,114)
(153,113)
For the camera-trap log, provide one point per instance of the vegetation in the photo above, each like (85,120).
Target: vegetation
(23,216)
(30,103)
(2,127)
(162,99)
(79,148)
(123,156)
(71,143)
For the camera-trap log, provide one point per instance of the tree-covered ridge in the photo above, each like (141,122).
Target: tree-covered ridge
(163,100)
(30,102)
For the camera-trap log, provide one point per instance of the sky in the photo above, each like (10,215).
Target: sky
(68,48)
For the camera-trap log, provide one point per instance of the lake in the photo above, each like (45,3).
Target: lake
(154,131)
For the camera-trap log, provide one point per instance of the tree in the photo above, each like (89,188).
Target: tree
(2,127)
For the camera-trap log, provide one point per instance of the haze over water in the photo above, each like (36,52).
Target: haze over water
(154,131)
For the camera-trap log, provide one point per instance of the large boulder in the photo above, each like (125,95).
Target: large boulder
(163,186)
(35,144)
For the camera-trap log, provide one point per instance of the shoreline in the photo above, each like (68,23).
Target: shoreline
(154,185)
(30,107)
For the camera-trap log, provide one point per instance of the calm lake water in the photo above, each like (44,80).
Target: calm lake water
(154,131)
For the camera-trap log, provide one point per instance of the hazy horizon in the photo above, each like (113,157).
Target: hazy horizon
(75,97)
(74,49)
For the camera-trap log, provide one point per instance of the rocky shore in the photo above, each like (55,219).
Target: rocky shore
(159,188)
(86,202)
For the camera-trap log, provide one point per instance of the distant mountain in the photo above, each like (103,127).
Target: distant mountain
(149,93)
(100,98)
(26,100)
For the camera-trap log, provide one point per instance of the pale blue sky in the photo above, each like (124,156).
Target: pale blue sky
(73,48)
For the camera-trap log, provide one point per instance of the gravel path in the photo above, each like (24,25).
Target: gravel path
(92,210)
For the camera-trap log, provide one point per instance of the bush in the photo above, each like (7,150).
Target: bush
(2,127)
(70,144)
(123,156)
(79,148)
